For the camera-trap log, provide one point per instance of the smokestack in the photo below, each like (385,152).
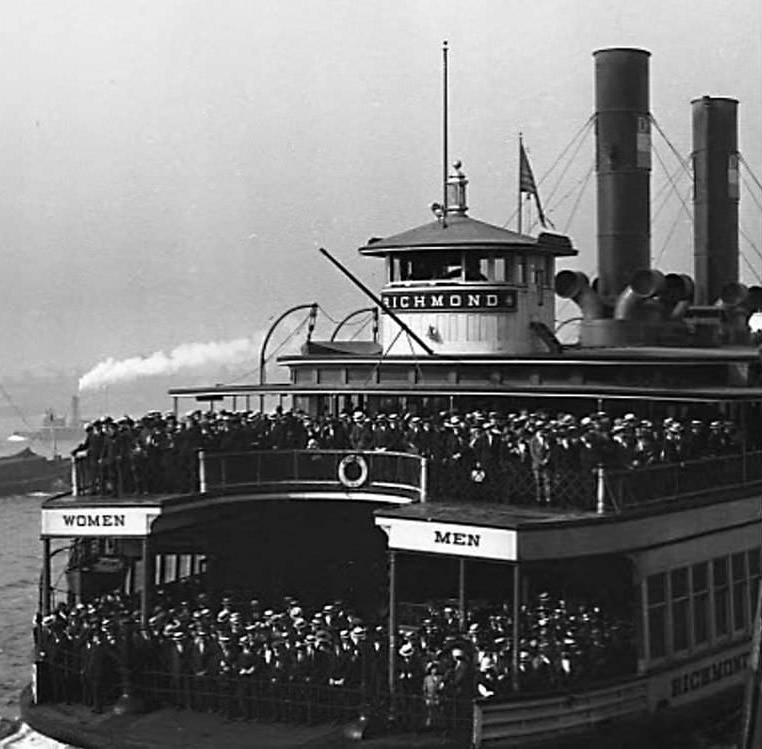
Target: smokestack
(75,419)
(623,166)
(715,196)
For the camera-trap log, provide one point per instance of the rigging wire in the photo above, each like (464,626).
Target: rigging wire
(336,322)
(571,191)
(749,169)
(18,411)
(674,186)
(751,194)
(417,364)
(751,268)
(372,374)
(251,372)
(657,197)
(579,199)
(750,241)
(680,159)
(671,231)
(553,191)
(580,132)
(360,329)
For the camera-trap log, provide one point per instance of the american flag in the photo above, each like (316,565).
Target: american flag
(527,184)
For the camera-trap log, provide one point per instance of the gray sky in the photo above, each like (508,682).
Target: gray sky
(170,166)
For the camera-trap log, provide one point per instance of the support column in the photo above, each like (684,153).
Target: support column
(462,593)
(516,627)
(392,665)
(146,588)
(45,582)
(162,569)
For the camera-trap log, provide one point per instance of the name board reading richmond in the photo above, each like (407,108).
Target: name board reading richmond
(425,301)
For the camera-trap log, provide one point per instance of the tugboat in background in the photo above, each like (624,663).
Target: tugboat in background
(56,429)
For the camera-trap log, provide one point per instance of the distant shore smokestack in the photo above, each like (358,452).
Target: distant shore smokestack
(715,196)
(623,167)
(74,417)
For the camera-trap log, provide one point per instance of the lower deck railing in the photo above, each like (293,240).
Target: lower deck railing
(262,697)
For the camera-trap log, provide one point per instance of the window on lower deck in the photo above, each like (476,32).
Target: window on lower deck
(700,593)
(657,615)
(754,577)
(680,609)
(721,597)
(740,591)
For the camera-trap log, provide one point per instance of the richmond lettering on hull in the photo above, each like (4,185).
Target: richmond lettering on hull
(703,677)
(425,301)
(452,538)
(85,520)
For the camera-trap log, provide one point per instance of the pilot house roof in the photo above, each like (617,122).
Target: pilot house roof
(463,232)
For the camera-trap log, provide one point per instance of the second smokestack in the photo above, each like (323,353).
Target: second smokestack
(715,196)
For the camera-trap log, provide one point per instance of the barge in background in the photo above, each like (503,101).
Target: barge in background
(468,315)
(26,471)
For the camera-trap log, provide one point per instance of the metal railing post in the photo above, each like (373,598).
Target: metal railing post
(424,478)
(600,505)
(74,482)
(201,472)
(392,653)
(45,581)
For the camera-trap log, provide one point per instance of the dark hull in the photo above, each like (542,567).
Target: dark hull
(29,472)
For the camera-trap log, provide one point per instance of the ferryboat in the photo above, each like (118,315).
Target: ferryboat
(467,321)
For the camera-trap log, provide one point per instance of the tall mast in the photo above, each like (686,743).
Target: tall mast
(518,226)
(444,133)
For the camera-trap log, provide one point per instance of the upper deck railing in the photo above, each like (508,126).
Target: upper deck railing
(336,474)
(632,488)
(392,474)
(377,472)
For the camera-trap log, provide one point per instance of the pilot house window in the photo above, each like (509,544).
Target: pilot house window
(430,267)
(469,266)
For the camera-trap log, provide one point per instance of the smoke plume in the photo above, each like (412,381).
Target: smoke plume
(185,356)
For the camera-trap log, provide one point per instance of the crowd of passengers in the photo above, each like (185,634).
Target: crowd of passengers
(158,452)
(289,663)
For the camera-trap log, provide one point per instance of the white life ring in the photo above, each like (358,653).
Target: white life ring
(353,460)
